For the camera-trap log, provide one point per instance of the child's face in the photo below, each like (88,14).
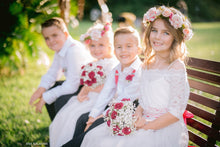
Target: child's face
(160,37)
(100,49)
(126,49)
(54,37)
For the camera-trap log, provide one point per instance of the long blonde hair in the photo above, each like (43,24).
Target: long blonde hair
(178,48)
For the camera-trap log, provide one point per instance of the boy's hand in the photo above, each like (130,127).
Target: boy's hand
(39,105)
(91,121)
(37,94)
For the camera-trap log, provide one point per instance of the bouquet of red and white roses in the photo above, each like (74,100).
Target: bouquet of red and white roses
(120,117)
(92,75)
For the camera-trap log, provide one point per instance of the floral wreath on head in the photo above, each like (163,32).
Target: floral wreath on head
(95,34)
(178,21)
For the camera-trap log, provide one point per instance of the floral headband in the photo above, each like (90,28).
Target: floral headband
(176,20)
(95,34)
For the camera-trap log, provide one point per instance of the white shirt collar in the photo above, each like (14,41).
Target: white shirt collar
(66,45)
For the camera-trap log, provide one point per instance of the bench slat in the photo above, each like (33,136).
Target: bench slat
(204,101)
(211,132)
(201,113)
(204,87)
(206,65)
(204,76)
(197,139)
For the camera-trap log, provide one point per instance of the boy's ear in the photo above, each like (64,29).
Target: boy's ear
(139,50)
(66,34)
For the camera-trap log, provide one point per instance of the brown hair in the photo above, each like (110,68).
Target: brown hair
(55,21)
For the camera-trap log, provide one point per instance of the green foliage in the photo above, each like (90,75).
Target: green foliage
(205,10)
(21,31)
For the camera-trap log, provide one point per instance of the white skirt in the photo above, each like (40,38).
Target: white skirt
(62,128)
(175,135)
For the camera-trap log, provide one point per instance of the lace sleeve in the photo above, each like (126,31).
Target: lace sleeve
(179,92)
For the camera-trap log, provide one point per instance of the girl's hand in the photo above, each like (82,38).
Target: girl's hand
(82,98)
(140,122)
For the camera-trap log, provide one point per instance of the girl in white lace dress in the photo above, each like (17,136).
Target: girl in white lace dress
(164,87)
(99,40)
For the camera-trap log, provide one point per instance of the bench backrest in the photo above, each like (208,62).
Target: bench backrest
(204,101)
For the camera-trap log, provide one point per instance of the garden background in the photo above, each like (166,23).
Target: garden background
(24,56)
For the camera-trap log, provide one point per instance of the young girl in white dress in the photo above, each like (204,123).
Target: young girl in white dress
(99,40)
(164,87)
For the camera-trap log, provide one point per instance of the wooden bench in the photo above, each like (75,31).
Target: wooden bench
(204,102)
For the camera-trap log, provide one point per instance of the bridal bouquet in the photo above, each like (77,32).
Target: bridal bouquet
(120,117)
(92,75)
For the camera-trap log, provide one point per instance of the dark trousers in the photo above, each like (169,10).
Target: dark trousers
(79,130)
(80,126)
(53,108)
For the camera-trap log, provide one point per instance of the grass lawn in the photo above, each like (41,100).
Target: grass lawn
(21,126)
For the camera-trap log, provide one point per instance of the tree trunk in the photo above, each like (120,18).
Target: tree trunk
(81,4)
(64,6)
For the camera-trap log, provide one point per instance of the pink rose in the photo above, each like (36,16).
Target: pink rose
(87,41)
(176,21)
(151,14)
(166,12)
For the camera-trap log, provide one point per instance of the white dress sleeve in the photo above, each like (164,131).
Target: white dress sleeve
(179,92)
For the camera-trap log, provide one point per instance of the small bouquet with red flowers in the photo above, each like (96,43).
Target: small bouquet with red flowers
(120,117)
(92,75)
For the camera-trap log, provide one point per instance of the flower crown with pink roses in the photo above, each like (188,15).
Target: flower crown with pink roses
(177,20)
(95,34)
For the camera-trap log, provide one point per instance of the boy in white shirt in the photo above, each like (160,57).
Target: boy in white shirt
(69,56)
(122,82)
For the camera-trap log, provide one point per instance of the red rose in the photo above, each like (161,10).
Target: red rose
(118,105)
(83,73)
(100,67)
(82,66)
(90,64)
(126,130)
(114,114)
(91,74)
(116,129)
(89,83)
(129,77)
(125,99)
(109,122)
(100,73)
(81,82)
(93,80)
(107,112)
